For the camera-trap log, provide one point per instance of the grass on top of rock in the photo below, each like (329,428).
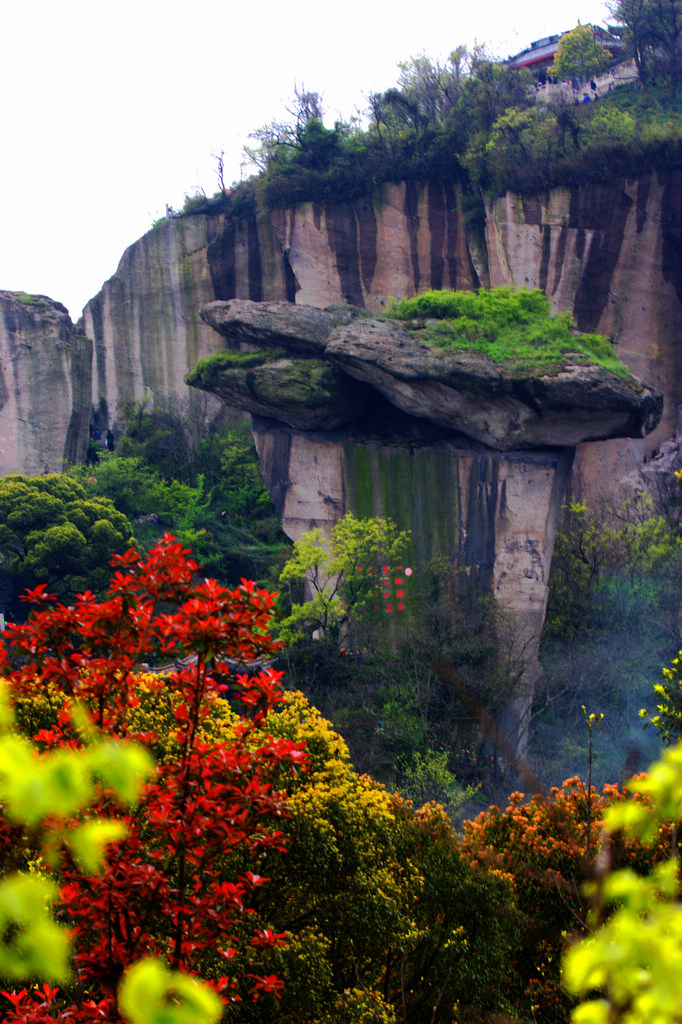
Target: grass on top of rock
(39,301)
(512,328)
(233,359)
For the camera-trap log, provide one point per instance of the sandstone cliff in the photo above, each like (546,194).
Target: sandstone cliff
(144,325)
(610,254)
(45,393)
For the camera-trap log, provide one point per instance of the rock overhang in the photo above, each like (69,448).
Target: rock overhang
(337,359)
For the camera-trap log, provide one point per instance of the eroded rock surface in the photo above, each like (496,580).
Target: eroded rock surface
(45,385)
(503,408)
(610,254)
(309,394)
(303,330)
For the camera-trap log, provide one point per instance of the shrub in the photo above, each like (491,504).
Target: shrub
(512,328)
(170,887)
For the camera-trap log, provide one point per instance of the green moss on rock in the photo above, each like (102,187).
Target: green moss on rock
(514,329)
(230,360)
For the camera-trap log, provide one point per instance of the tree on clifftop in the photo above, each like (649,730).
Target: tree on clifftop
(579,55)
(304,138)
(653,37)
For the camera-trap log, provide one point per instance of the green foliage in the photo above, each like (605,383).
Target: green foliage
(138,490)
(52,531)
(215,502)
(628,555)
(512,328)
(341,575)
(427,777)
(612,620)
(653,38)
(630,968)
(384,696)
(475,122)
(628,132)
(56,791)
(230,358)
(35,947)
(579,55)
(44,793)
(384,917)
(151,994)
(36,301)
(667,721)
(551,142)
(159,437)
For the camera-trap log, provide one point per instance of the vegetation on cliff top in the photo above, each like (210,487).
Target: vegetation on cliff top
(512,328)
(474,121)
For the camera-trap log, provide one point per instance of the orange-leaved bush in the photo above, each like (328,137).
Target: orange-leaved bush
(170,888)
(542,845)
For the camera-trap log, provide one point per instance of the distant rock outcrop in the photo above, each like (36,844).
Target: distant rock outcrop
(45,385)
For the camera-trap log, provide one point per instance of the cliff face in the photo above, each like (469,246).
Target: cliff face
(45,388)
(492,514)
(612,255)
(144,325)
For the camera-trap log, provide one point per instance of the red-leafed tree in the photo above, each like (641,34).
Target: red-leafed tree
(170,888)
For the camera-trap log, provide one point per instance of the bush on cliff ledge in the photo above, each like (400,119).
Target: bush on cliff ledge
(512,328)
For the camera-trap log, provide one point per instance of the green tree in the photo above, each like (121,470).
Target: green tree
(489,89)
(653,37)
(426,96)
(53,532)
(340,576)
(579,55)
(634,16)
(303,139)
(613,616)
(216,503)
(667,719)
(433,87)
(521,137)
(376,899)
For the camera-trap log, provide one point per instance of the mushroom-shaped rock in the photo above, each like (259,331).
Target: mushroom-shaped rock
(298,329)
(501,406)
(307,394)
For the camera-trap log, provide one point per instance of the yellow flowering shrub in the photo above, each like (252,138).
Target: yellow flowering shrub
(384,918)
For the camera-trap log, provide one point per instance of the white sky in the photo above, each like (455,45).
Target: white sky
(111,110)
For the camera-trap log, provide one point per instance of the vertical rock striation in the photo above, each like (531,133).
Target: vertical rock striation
(45,385)
(611,254)
(144,324)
